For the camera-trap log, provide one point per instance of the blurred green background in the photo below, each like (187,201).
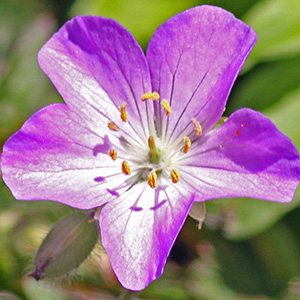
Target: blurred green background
(247,249)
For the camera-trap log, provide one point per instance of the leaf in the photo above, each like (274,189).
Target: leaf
(141,18)
(23,87)
(277,25)
(265,85)
(8,296)
(37,291)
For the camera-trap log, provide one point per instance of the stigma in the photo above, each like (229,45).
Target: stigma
(154,154)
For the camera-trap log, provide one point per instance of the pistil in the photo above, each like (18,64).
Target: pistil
(154,155)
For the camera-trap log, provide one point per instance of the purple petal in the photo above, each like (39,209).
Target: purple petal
(138,231)
(96,65)
(194,59)
(247,156)
(54,156)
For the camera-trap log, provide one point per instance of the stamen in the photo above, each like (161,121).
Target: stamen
(152,177)
(198,127)
(166,105)
(175,176)
(125,168)
(124,113)
(113,154)
(113,126)
(151,95)
(187,144)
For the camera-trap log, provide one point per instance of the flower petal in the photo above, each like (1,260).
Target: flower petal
(194,59)
(247,156)
(96,65)
(138,232)
(54,156)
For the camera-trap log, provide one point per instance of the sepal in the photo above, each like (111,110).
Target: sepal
(66,246)
(197,212)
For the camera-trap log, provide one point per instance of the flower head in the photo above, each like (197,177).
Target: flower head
(135,135)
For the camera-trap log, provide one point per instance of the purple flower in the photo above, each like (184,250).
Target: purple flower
(136,133)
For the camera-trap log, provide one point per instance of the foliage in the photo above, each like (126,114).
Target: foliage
(246,249)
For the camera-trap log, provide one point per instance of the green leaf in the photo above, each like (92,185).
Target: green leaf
(8,296)
(277,25)
(141,18)
(285,115)
(265,85)
(37,291)
(281,259)
(23,87)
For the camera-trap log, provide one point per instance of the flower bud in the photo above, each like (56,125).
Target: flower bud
(197,212)
(66,246)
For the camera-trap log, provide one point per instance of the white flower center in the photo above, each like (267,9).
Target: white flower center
(158,158)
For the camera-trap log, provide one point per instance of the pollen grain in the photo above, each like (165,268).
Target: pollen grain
(113,154)
(113,126)
(198,127)
(125,168)
(124,113)
(151,95)
(166,105)
(175,176)
(187,144)
(152,177)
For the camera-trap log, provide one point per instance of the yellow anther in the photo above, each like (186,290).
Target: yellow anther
(198,127)
(187,144)
(175,176)
(125,168)
(151,95)
(152,177)
(166,105)
(124,113)
(113,154)
(113,126)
